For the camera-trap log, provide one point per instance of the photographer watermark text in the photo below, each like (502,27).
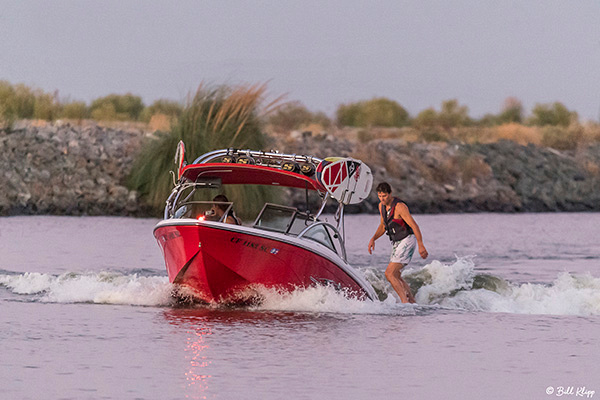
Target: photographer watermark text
(560,391)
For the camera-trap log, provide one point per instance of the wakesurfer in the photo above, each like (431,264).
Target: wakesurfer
(405,235)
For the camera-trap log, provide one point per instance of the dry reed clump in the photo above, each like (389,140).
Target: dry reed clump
(475,134)
(390,133)
(520,134)
(462,134)
(591,132)
(124,125)
(434,135)
(160,122)
(409,134)
(562,138)
(365,135)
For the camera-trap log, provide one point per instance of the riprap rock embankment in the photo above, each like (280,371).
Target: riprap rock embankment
(69,169)
(495,177)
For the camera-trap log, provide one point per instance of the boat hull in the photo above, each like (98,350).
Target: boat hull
(221,261)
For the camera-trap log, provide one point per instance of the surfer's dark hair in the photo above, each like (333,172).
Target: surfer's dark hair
(384,187)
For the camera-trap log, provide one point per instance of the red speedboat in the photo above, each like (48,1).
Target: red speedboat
(282,248)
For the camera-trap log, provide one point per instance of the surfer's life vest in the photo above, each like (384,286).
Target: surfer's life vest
(396,229)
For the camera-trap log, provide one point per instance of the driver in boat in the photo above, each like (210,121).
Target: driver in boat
(219,209)
(404,233)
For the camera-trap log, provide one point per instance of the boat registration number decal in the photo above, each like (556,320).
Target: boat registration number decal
(254,245)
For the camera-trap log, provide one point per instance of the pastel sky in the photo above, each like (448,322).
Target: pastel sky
(322,53)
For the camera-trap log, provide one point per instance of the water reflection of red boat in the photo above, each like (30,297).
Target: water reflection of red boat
(282,248)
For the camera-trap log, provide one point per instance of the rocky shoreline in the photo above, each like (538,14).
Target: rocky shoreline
(81,169)
(65,169)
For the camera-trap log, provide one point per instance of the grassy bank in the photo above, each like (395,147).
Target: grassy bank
(557,137)
(546,125)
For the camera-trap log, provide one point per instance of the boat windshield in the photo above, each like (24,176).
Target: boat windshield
(291,221)
(277,218)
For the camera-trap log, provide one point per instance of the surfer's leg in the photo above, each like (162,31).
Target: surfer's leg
(402,252)
(411,298)
(393,275)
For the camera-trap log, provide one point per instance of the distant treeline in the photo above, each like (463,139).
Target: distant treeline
(552,124)
(385,113)
(22,102)
(549,125)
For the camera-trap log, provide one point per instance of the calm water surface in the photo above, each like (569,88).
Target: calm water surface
(509,308)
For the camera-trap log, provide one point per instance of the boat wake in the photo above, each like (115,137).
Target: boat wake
(93,287)
(459,286)
(439,287)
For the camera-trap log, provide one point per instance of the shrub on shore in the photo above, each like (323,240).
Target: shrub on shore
(550,125)
(555,114)
(77,110)
(215,118)
(171,109)
(22,102)
(377,112)
(512,113)
(117,107)
(293,116)
(450,116)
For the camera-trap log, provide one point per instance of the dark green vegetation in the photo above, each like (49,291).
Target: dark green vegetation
(293,115)
(549,125)
(22,102)
(215,118)
(380,112)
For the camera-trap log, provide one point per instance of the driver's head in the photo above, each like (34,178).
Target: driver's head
(220,208)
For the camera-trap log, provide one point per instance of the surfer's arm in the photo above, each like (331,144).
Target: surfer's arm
(403,212)
(378,233)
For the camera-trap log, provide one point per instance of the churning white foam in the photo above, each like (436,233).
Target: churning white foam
(98,287)
(455,285)
(567,295)
(326,299)
(452,286)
